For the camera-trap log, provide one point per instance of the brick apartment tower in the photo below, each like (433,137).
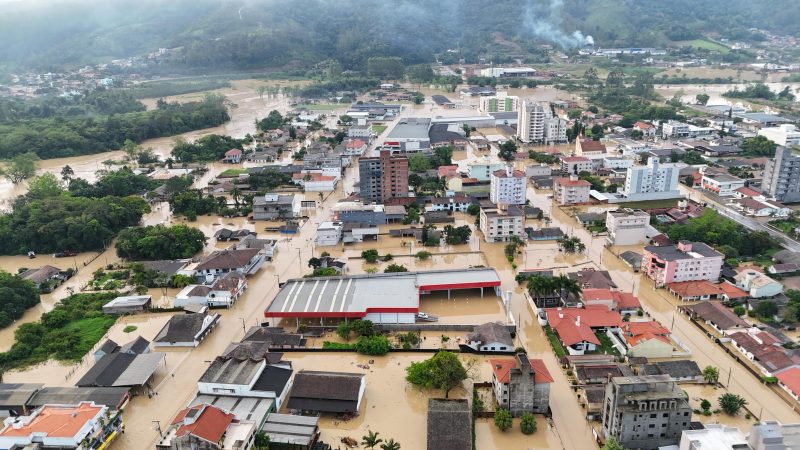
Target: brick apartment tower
(383,177)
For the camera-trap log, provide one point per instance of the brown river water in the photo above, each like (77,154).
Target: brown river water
(394,414)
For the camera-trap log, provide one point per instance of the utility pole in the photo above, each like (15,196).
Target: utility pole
(158,428)
(730,369)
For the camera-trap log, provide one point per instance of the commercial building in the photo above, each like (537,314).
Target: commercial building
(357,212)
(626,226)
(782,176)
(186,330)
(508,186)
(537,123)
(409,135)
(499,223)
(502,102)
(770,434)
(354,296)
(570,191)
(645,412)
(383,177)
(521,385)
(783,135)
(674,129)
(538,170)
(722,184)
(654,181)
(686,261)
(508,72)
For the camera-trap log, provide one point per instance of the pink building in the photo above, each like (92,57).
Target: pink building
(686,261)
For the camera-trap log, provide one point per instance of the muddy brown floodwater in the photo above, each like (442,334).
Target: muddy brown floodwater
(387,410)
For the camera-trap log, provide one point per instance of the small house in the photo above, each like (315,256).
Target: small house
(489,337)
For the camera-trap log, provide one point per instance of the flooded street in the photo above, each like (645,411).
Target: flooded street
(689,92)
(394,413)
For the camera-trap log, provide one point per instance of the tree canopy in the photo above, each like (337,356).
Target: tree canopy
(442,371)
(18,295)
(159,242)
(208,148)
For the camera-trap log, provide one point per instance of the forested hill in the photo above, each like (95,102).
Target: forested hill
(243,34)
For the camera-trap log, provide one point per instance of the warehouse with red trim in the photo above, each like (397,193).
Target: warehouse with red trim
(381,298)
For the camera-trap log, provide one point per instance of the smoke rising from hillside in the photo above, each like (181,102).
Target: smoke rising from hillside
(546,24)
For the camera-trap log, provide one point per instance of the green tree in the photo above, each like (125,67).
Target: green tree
(45,185)
(371,439)
(261,440)
(766,309)
(711,374)
(343,330)
(590,77)
(159,242)
(702,99)
(67,173)
(370,255)
(612,444)
(273,120)
(502,419)
(376,345)
(758,146)
(473,210)
(419,162)
(508,150)
(391,444)
(731,403)
(528,423)
(442,371)
(21,167)
(423,255)
(705,405)
(467,129)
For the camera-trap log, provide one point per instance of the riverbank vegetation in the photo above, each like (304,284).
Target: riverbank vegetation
(159,242)
(66,333)
(18,295)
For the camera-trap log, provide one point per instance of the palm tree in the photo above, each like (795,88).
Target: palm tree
(390,445)
(567,286)
(371,439)
(236,194)
(540,287)
(261,441)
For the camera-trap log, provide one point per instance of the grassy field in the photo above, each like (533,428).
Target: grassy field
(378,129)
(555,342)
(705,44)
(651,204)
(606,346)
(90,330)
(232,173)
(177,87)
(319,106)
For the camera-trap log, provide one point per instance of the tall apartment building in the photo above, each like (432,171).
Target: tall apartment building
(502,102)
(686,261)
(499,223)
(654,181)
(536,123)
(569,191)
(626,226)
(383,177)
(787,135)
(521,385)
(782,176)
(645,412)
(508,186)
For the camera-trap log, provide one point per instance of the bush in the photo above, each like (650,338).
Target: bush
(503,419)
(387,257)
(337,346)
(423,255)
(394,268)
(371,255)
(739,310)
(528,423)
(377,345)
(705,405)
(129,328)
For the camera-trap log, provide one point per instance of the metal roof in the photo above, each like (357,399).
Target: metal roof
(139,370)
(354,296)
(244,408)
(17,394)
(290,429)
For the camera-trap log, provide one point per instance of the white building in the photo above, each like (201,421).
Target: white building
(536,123)
(722,184)
(538,170)
(482,168)
(627,226)
(651,182)
(508,186)
(328,233)
(507,72)
(674,129)
(574,165)
(616,163)
(54,426)
(500,223)
(713,437)
(570,191)
(785,135)
(757,284)
(502,102)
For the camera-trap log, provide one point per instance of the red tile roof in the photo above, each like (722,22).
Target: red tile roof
(209,424)
(502,369)
(791,379)
(636,332)
(233,152)
(573,159)
(746,191)
(355,143)
(565,323)
(56,421)
(694,288)
(642,125)
(624,300)
(502,173)
(588,145)
(447,170)
(541,374)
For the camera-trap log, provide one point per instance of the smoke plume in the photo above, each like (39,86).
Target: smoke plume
(546,23)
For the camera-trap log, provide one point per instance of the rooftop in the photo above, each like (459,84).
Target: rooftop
(674,252)
(563,181)
(718,314)
(449,424)
(410,128)
(227,259)
(354,295)
(204,421)
(52,421)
